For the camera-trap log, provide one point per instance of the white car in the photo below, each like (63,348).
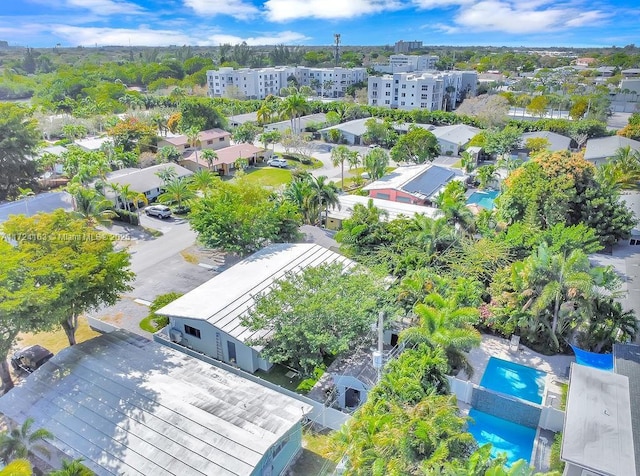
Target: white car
(277,162)
(160,211)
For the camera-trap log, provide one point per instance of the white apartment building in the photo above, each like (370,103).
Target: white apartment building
(330,82)
(259,83)
(432,91)
(248,83)
(407,64)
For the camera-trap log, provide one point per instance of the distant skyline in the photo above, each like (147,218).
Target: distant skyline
(533,23)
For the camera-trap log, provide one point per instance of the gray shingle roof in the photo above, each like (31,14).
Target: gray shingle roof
(556,141)
(130,406)
(605,147)
(143,180)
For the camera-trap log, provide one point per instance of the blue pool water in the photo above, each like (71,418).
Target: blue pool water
(514,379)
(484,199)
(505,437)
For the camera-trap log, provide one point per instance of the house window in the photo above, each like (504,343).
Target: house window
(388,93)
(192,331)
(384,196)
(209,142)
(221,139)
(403,199)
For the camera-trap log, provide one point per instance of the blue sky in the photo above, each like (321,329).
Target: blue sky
(578,23)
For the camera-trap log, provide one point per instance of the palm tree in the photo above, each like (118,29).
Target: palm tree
(93,208)
(623,169)
(446,324)
(486,174)
(193,137)
(468,162)
(17,467)
(177,191)
(293,107)
(132,197)
(72,468)
(339,155)
(20,441)
(607,324)
(167,174)
(325,193)
(210,156)
(376,163)
(431,234)
(202,180)
(169,153)
(354,160)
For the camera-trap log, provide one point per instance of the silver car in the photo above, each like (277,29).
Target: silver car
(159,211)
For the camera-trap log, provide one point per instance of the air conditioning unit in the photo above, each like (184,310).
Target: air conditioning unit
(176,335)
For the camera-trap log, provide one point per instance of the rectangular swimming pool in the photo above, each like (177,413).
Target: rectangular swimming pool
(516,441)
(514,379)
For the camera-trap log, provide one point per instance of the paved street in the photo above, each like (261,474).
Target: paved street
(43,202)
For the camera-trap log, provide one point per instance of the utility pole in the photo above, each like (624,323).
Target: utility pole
(336,37)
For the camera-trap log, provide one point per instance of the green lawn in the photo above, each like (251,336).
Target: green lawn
(269,176)
(277,375)
(56,340)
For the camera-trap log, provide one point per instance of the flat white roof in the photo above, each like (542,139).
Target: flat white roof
(393,209)
(129,406)
(225,299)
(597,427)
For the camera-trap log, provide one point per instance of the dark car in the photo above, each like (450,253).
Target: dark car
(30,358)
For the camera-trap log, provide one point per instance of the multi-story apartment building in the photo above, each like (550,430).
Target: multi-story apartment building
(407,64)
(248,83)
(330,82)
(406,46)
(422,90)
(259,83)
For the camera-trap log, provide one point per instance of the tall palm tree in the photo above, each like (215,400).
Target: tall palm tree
(293,107)
(325,193)
(177,191)
(132,197)
(339,155)
(193,137)
(431,234)
(444,323)
(20,441)
(210,156)
(622,170)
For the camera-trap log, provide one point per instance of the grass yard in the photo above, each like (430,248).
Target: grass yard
(56,340)
(277,375)
(269,176)
(311,460)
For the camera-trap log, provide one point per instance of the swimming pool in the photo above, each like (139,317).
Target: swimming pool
(514,379)
(505,437)
(483,198)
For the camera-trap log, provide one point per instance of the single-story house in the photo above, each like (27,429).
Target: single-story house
(337,215)
(145,181)
(210,139)
(208,319)
(557,142)
(416,184)
(92,144)
(454,138)
(601,434)
(126,405)
(600,149)
(226,158)
(352,131)
(239,119)
(301,123)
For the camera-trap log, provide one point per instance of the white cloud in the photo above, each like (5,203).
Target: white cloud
(234,8)
(432,4)
(510,17)
(98,7)
(286,10)
(121,36)
(284,37)
(449,29)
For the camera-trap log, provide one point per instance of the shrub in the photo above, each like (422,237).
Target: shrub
(154,322)
(126,217)
(307,384)
(556,464)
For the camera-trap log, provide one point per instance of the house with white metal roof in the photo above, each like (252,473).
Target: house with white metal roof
(145,181)
(416,184)
(393,210)
(129,406)
(209,318)
(557,142)
(600,149)
(352,131)
(455,137)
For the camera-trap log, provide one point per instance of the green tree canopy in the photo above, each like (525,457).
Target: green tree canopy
(319,312)
(242,217)
(19,136)
(418,146)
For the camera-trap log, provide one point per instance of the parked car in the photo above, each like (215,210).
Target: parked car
(30,358)
(374,146)
(160,211)
(277,162)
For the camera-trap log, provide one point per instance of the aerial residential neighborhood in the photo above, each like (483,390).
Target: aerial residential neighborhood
(292,250)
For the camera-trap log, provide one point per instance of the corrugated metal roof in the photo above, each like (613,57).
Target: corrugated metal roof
(225,299)
(393,209)
(129,406)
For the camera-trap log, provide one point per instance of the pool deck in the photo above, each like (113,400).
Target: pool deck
(493,346)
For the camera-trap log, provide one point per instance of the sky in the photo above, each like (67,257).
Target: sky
(534,23)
